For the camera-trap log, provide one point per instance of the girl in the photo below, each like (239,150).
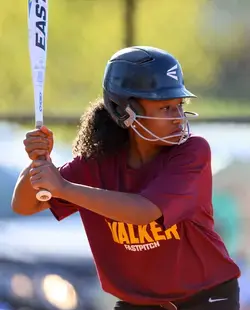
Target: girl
(143,187)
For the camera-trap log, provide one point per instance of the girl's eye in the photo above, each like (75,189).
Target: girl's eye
(166,108)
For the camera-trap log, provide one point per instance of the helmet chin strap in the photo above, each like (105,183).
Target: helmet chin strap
(184,134)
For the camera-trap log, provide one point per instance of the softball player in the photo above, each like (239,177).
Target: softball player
(142,185)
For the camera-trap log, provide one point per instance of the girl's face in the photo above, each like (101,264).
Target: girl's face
(167,110)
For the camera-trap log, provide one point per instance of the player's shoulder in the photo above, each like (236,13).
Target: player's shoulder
(197,145)
(197,142)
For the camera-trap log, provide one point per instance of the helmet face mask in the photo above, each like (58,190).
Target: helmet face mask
(134,123)
(143,73)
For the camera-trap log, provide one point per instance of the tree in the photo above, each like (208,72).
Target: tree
(83,34)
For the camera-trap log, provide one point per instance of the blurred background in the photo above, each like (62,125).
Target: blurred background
(47,265)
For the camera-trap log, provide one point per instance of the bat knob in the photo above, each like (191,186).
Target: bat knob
(43,195)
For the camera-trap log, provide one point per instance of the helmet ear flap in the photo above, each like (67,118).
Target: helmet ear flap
(133,108)
(136,107)
(119,114)
(122,110)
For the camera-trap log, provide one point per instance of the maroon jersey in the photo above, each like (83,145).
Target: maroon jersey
(168,259)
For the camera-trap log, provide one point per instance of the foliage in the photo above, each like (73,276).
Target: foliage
(83,34)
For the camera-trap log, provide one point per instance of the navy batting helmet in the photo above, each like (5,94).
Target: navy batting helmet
(140,72)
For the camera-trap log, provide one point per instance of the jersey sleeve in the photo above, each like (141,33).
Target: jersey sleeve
(70,172)
(185,182)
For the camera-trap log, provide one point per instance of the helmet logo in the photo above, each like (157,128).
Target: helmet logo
(172,72)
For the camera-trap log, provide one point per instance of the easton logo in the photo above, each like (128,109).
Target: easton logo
(173,73)
(41,24)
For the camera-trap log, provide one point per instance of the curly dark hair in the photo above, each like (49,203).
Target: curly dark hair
(98,134)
